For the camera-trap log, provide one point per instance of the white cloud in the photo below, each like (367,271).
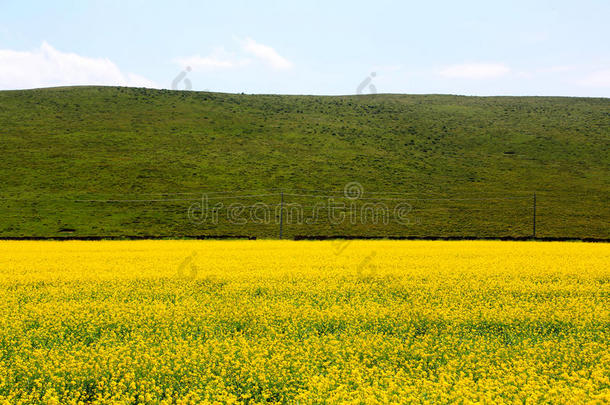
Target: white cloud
(475,71)
(218,59)
(601,78)
(266,54)
(46,66)
(250,51)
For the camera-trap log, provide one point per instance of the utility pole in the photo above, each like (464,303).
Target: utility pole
(534,219)
(281,214)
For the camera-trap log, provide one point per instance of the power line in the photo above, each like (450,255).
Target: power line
(410,199)
(180,199)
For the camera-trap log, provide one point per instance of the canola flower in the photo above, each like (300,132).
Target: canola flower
(187,322)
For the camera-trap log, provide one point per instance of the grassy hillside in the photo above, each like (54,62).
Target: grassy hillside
(86,161)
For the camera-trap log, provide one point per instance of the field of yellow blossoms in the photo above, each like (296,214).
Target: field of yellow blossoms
(162,322)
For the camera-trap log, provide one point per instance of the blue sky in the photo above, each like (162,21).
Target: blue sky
(312,47)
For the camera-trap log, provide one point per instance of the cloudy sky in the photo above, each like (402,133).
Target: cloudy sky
(311,47)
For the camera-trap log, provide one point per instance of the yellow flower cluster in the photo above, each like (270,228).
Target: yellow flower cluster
(187,322)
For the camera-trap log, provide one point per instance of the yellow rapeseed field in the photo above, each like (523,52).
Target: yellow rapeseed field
(162,322)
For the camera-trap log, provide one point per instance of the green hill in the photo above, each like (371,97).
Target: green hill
(108,161)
